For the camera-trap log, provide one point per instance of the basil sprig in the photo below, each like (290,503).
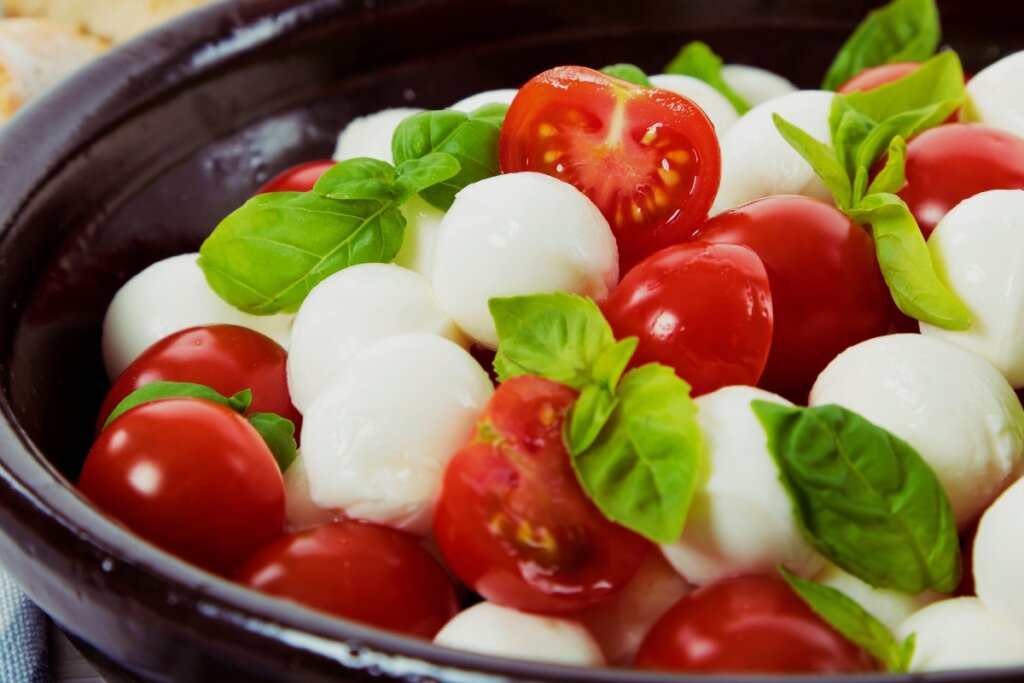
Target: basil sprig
(902,31)
(864,498)
(630,73)
(632,436)
(854,622)
(696,59)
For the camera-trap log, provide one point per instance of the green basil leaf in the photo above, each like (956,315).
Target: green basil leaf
(360,178)
(902,31)
(939,79)
(645,465)
(590,414)
(864,498)
(850,128)
(696,59)
(892,177)
(279,435)
(416,175)
(161,390)
(821,157)
(629,73)
(853,621)
(907,265)
(905,125)
(472,141)
(493,112)
(304,236)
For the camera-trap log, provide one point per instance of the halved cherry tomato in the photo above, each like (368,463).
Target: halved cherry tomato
(648,158)
(300,178)
(876,76)
(368,573)
(750,624)
(703,309)
(513,522)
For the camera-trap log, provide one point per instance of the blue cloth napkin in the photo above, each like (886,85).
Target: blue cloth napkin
(22,637)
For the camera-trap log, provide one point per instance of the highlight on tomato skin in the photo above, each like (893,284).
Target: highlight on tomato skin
(648,158)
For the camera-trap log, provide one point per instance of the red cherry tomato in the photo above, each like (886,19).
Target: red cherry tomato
(648,158)
(300,178)
(512,521)
(190,476)
(827,290)
(875,76)
(228,358)
(367,573)
(750,624)
(703,309)
(948,164)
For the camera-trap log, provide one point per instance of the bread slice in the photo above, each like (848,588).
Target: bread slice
(114,20)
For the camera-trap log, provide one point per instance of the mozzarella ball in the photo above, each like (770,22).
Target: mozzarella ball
(167,297)
(756,160)
(890,607)
(489,629)
(741,521)
(474,102)
(961,634)
(515,234)
(370,136)
(422,223)
(999,556)
(377,438)
(719,109)
(977,249)
(350,311)
(756,85)
(300,511)
(996,95)
(951,405)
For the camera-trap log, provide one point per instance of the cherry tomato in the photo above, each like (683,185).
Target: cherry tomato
(827,290)
(875,76)
(228,358)
(948,164)
(300,178)
(648,158)
(750,624)
(190,476)
(364,572)
(512,521)
(703,309)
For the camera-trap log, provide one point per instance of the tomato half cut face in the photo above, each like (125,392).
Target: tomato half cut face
(648,158)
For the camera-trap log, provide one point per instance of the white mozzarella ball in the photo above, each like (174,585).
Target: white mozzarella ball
(999,556)
(951,405)
(490,629)
(756,85)
(621,623)
(741,521)
(300,512)
(961,634)
(377,438)
(978,248)
(474,102)
(423,222)
(719,109)
(890,607)
(351,310)
(996,95)
(167,297)
(370,135)
(756,160)
(515,234)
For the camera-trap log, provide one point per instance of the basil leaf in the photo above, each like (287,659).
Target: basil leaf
(892,177)
(821,157)
(853,621)
(472,141)
(696,59)
(902,31)
(907,264)
(864,498)
(850,128)
(598,400)
(160,390)
(279,435)
(359,178)
(416,175)
(644,467)
(493,112)
(905,125)
(305,236)
(629,73)
(939,79)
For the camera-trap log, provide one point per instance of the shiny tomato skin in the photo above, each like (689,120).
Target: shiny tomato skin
(876,76)
(512,521)
(702,309)
(950,163)
(749,624)
(227,358)
(372,574)
(190,476)
(299,178)
(648,158)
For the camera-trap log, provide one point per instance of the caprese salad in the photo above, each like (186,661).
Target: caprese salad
(691,371)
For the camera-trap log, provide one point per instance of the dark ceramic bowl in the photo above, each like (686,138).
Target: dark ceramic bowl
(138,157)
